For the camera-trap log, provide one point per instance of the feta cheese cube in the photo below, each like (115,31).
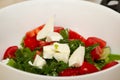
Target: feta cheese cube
(61,57)
(38,62)
(48,28)
(48,52)
(62,52)
(59,51)
(77,58)
(53,36)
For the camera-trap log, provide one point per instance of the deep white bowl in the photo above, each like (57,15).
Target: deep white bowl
(87,18)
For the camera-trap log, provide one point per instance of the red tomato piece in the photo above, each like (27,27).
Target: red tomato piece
(31,42)
(69,72)
(10,52)
(96,53)
(75,35)
(30,38)
(44,43)
(34,32)
(87,68)
(94,40)
(110,64)
(30,34)
(58,29)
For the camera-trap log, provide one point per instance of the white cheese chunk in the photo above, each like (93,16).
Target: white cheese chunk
(48,52)
(77,58)
(53,36)
(48,28)
(61,47)
(59,51)
(62,52)
(61,57)
(38,62)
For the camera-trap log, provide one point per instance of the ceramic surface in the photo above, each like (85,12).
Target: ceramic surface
(87,18)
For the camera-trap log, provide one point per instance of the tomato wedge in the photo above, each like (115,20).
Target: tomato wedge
(87,68)
(34,32)
(110,64)
(44,43)
(10,52)
(69,72)
(94,40)
(96,53)
(75,35)
(31,42)
(58,29)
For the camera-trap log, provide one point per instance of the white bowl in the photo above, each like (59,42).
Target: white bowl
(87,18)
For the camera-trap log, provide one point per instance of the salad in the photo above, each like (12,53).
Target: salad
(57,51)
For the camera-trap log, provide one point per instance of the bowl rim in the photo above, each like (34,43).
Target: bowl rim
(31,1)
(58,77)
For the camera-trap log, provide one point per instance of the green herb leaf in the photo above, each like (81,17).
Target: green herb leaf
(73,44)
(64,33)
(23,55)
(53,67)
(113,57)
(100,63)
(11,62)
(90,48)
(88,56)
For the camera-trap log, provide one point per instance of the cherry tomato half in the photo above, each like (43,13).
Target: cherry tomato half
(88,68)
(10,52)
(34,32)
(94,40)
(110,64)
(96,53)
(75,35)
(58,29)
(31,42)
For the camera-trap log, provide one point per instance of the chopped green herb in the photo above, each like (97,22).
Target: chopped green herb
(64,33)
(73,44)
(11,62)
(113,57)
(88,56)
(100,63)
(53,67)
(23,55)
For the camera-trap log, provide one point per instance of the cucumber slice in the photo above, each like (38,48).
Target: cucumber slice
(106,52)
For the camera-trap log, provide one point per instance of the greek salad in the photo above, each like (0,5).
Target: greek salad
(57,51)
